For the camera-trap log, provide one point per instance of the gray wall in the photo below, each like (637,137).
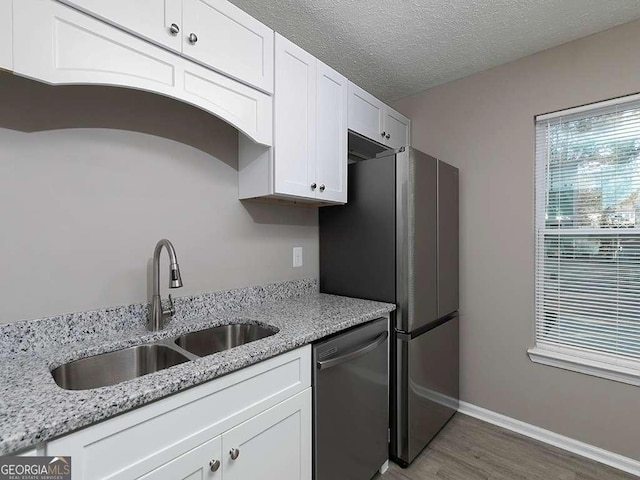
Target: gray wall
(92,177)
(484,124)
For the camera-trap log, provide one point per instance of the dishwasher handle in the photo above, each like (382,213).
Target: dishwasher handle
(358,352)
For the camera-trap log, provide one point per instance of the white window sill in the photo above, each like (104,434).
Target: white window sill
(603,366)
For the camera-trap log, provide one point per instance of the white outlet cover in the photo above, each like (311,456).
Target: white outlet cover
(297,256)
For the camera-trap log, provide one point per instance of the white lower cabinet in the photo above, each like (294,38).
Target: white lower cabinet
(200,463)
(273,445)
(251,424)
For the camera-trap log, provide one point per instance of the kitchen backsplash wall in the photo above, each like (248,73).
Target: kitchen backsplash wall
(92,177)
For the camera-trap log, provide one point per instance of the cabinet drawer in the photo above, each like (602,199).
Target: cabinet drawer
(135,443)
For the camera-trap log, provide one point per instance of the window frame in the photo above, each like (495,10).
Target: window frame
(599,364)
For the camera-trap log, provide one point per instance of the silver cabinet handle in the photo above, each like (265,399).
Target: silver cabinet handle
(358,352)
(174,29)
(193,38)
(387,136)
(383,134)
(234,453)
(322,187)
(313,186)
(214,465)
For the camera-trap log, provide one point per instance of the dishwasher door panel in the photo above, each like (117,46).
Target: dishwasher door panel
(350,394)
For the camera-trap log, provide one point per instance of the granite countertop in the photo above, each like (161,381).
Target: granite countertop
(34,409)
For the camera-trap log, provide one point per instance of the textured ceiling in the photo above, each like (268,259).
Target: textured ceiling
(396,48)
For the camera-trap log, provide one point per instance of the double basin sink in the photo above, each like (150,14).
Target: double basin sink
(120,365)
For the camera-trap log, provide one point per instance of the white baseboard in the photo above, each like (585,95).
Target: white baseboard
(614,460)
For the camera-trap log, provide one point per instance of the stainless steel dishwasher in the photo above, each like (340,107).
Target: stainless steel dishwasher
(351,403)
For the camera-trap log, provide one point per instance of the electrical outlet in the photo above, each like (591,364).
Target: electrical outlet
(297,256)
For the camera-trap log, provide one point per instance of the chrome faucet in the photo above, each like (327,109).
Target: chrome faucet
(156,319)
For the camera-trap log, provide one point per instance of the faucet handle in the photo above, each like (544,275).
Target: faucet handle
(171,311)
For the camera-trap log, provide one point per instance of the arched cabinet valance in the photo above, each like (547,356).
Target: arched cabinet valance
(56,44)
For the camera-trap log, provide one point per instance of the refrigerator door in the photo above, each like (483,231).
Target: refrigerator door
(357,240)
(427,392)
(448,232)
(416,240)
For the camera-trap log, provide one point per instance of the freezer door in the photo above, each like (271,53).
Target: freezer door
(427,391)
(448,232)
(416,239)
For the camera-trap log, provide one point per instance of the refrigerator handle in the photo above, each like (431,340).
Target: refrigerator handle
(358,352)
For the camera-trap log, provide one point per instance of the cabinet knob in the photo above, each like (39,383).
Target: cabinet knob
(387,136)
(174,29)
(214,465)
(193,38)
(383,134)
(234,453)
(313,186)
(322,187)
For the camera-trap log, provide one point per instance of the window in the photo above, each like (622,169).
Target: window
(588,240)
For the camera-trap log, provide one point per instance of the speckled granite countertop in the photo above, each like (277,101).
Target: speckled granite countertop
(34,409)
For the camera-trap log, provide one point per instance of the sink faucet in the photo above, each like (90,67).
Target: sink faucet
(156,319)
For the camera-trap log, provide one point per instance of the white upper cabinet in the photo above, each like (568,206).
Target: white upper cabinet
(371,118)
(159,21)
(331,138)
(397,129)
(308,161)
(215,33)
(59,45)
(366,113)
(6,35)
(295,120)
(221,36)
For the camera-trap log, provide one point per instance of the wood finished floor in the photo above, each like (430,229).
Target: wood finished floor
(469,449)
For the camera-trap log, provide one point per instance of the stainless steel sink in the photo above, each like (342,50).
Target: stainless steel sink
(217,339)
(115,367)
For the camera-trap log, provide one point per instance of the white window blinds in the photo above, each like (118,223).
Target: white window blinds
(588,230)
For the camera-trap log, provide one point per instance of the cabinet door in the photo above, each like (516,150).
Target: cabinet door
(275,445)
(151,19)
(59,45)
(366,114)
(6,35)
(331,144)
(197,464)
(228,40)
(295,120)
(397,128)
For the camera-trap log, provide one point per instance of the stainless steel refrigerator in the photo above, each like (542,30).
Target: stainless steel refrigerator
(396,240)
